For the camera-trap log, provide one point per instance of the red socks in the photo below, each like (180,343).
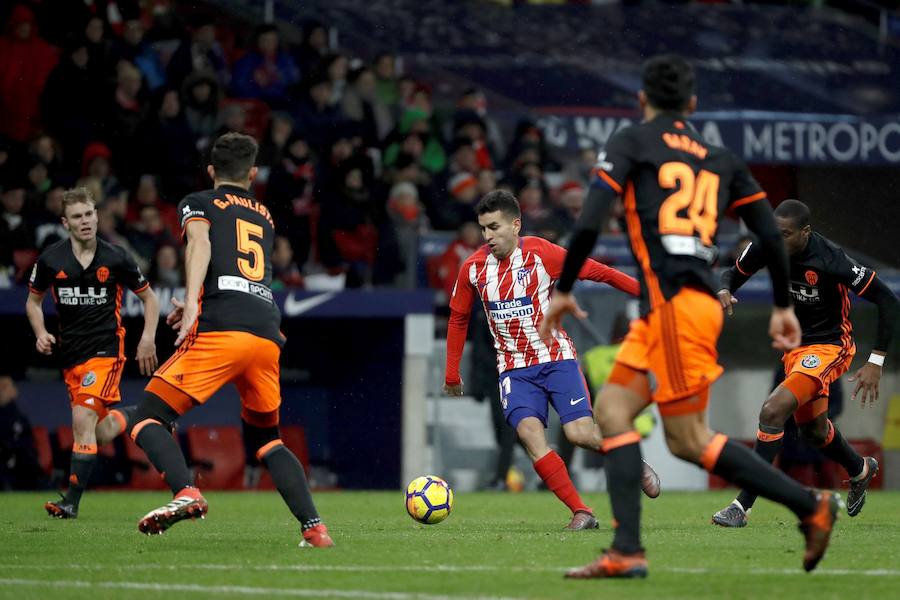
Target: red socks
(552,470)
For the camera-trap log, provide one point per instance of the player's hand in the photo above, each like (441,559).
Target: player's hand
(146,356)
(561,304)
(453,390)
(784,329)
(867,380)
(189,315)
(174,317)
(45,343)
(727,301)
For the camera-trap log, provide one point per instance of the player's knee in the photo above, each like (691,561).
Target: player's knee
(685,447)
(584,435)
(84,421)
(258,438)
(151,409)
(815,433)
(775,411)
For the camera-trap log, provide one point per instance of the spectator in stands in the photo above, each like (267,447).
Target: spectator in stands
(334,67)
(233,118)
(108,225)
(12,203)
(285,272)
(169,147)
(199,53)
(39,181)
(409,221)
(46,222)
(147,194)
(538,218)
(47,150)
(19,466)
(450,261)
(468,125)
(127,111)
(474,100)
(362,104)
(97,46)
(266,72)
(529,139)
(200,95)
(25,63)
(581,169)
(148,233)
(95,163)
(487,181)
(131,47)
(73,119)
(459,206)
(278,132)
(312,49)
(463,157)
(316,116)
(289,195)
(387,85)
(415,121)
(348,235)
(165,269)
(570,200)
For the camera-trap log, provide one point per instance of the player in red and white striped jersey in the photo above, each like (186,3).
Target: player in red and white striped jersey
(514,276)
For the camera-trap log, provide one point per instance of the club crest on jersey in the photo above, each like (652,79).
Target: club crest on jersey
(89,379)
(522,275)
(810,361)
(516,308)
(812,278)
(102,274)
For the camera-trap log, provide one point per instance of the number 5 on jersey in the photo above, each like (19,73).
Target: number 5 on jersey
(698,193)
(254,269)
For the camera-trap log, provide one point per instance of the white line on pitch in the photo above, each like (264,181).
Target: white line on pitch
(239,590)
(446,568)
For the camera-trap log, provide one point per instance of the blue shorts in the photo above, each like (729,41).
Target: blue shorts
(526,392)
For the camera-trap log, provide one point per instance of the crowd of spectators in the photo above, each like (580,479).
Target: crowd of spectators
(356,158)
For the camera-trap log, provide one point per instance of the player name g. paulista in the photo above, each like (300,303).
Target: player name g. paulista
(502,310)
(76,296)
(231,283)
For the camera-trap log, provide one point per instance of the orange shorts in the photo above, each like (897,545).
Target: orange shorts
(824,363)
(206,361)
(94,384)
(676,346)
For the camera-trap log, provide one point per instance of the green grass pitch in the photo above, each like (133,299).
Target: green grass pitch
(492,546)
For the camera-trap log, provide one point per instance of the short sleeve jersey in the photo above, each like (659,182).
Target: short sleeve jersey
(237,294)
(675,188)
(88,300)
(821,277)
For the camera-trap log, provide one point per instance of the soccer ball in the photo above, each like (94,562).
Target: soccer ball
(429,499)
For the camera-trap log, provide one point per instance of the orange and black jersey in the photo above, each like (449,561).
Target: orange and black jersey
(675,187)
(88,300)
(236,293)
(821,277)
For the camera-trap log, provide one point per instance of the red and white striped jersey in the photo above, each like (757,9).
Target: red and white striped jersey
(515,293)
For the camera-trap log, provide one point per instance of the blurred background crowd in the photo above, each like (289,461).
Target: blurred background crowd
(357,158)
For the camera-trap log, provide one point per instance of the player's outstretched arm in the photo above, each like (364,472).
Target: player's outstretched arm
(595,270)
(749,262)
(457,328)
(197,255)
(784,329)
(596,208)
(868,377)
(35,312)
(146,350)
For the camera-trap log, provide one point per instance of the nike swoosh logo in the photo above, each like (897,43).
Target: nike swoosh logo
(293,307)
(574,402)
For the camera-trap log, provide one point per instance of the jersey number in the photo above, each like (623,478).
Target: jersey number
(253,270)
(698,193)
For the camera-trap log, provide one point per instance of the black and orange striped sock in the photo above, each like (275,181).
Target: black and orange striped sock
(741,466)
(84,457)
(837,449)
(623,467)
(768,444)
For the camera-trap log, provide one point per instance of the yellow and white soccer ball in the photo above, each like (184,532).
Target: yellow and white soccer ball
(429,499)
